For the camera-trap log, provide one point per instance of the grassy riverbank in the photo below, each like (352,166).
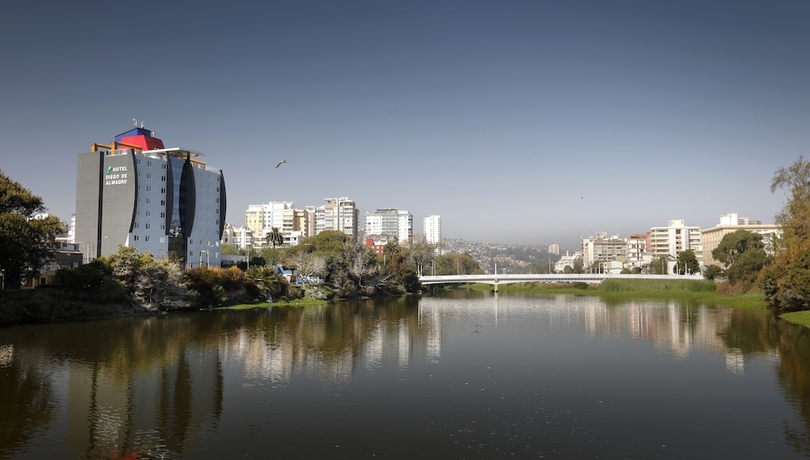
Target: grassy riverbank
(305,302)
(698,291)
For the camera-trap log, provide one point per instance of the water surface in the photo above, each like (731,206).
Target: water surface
(465,376)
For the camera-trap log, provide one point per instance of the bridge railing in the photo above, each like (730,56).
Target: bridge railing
(527,278)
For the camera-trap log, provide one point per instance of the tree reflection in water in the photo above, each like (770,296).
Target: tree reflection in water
(155,385)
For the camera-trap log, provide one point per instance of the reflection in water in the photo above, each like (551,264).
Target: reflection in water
(156,387)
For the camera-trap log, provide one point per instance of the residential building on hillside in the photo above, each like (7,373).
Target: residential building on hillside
(602,248)
(339,214)
(730,223)
(135,192)
(554,249)
(433,231)
(390,221)
(669,241)
(638,254)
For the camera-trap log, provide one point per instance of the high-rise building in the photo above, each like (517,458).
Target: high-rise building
(669,241)
(339,214)
(603,248)
(554,249)
(261,219)
(433,229)
(135,192)
(390,221)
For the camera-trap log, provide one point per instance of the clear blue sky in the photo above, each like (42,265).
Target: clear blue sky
(516,121)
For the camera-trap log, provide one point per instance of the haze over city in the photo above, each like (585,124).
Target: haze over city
(517,122)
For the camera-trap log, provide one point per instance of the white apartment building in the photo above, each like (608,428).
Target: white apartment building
(390,221)
(638,253)
(554,249)
(602,248)
(433,230)
(339,214)
(730,223)
(669,241)
(241,237)
(262,218)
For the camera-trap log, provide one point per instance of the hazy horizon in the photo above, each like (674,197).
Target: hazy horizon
(517,122)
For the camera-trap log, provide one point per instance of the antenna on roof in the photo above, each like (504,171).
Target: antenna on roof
(141,124)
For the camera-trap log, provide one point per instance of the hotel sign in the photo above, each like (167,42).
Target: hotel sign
(115,175)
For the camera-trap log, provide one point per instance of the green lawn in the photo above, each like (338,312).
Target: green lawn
(797,317)
(698,291)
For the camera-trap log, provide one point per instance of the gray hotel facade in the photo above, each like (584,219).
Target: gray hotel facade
(135,192)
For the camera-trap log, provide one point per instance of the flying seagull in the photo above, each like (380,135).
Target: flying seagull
(280,163)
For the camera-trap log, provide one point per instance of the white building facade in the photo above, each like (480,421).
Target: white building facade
(340,214)
(390,221)
(433,229)
(669,241)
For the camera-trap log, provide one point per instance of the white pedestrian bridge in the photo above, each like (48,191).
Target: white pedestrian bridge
(506,278)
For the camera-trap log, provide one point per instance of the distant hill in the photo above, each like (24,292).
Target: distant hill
(514,258)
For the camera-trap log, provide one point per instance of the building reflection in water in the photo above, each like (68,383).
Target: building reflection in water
(153,386)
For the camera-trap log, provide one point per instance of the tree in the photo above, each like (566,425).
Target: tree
(687,263)
(274,237)
(27,240)
(455,264)
(229,249)
(659,266)
(308,264)
(735,244)
(712,272)
(786,281)
(578,266)
(421,255)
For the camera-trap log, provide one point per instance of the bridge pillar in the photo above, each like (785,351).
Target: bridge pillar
(496,287)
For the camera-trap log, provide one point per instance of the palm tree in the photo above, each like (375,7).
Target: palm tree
(274,237)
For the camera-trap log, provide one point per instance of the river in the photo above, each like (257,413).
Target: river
(463,375)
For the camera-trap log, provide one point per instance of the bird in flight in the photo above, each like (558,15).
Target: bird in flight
(280,163)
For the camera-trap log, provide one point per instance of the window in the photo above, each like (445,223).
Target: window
(164,165)
(163,215)
(146,238)
(163,178)
(148,188)
(148,201)
(148,213)
(163,190)
(148,163)
(137,225)
(163,202)
(148,175)
(148,225)
(136,238)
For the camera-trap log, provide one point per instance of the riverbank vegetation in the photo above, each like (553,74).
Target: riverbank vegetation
(335,266)
(702,291)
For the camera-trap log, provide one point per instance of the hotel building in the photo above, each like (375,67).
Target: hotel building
(135,192)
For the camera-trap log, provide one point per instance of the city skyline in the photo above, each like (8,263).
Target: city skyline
(573,118)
